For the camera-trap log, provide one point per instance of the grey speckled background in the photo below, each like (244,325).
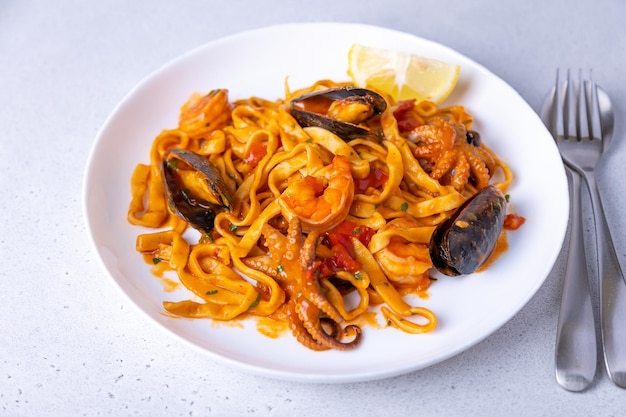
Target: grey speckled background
(72,345)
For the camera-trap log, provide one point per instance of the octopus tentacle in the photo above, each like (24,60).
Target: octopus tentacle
(309,314)
(313,319)
(461,173)
(321,302)
(300,332)
(273,237)
(444,164)
(263,264)
(307,252)
(479,171)
(294,239)
(335,328)
(485,156)
(427,151)
(444,152)
(312,288)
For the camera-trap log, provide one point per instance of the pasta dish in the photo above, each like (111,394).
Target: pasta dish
(313,210)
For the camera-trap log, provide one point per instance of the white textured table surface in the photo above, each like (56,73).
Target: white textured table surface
(71,344)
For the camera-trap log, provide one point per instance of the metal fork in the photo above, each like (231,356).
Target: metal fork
(577,125)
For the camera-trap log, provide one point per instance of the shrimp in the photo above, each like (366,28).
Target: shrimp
(321,200)
(405,257)
(202,114)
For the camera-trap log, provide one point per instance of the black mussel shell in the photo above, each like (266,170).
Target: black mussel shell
(199,213)
(303,109)
(462,243)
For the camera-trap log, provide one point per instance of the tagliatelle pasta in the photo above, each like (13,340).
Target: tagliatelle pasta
(319,230)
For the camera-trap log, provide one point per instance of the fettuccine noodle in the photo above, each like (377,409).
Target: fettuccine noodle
(373,201)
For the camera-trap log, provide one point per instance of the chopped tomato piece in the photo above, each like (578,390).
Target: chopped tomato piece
(345,228)
(513,221)
(404,106)
(348,228)
(256,152)
(339,240)
(406,121)
(365,234)
(324,269)
(343,260)
(376,178)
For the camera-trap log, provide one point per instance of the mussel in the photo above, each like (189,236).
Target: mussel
(194,187)
(463,242)
(341,110)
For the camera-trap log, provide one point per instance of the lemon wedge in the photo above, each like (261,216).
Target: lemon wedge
(402,76)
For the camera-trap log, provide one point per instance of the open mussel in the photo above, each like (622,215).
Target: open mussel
(195,189)
(341,110)
(463,242)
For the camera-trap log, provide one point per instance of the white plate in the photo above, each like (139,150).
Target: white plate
(256,63)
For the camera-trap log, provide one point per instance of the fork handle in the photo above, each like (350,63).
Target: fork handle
(612,293)
(576,349)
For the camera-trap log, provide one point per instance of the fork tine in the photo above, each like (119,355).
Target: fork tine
(559,98)
(595,125)
(570,108)
(584,110)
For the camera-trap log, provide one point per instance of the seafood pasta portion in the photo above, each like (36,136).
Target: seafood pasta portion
(314,210)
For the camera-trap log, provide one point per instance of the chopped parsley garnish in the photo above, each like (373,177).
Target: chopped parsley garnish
(255,302)
(211,292)
(156,260)
(404,206)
